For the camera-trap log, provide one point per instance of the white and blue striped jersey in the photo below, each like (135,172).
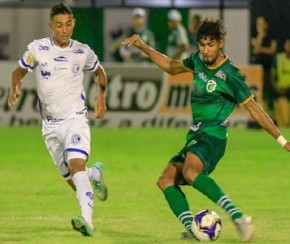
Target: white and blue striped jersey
(59,76)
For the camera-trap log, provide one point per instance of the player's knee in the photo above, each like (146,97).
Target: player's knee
(189,175)
(76,165)
(163,182)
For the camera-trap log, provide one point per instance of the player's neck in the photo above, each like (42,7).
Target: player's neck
(61,44)
(220,59)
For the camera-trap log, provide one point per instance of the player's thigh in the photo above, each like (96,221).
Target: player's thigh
(56,149)
(76,137)
(193,166)
(171,175)
(208,149)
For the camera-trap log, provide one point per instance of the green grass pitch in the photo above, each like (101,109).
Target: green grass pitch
(36,205)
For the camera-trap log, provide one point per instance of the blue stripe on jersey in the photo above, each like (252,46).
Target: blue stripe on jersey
(51,41)
(94,66)
(83,97)
(25,65)
(40,107)
(77,150)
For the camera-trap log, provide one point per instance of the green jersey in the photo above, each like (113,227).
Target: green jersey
(215,94)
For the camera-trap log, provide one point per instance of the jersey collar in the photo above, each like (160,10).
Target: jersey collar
(69,46)
(221,63)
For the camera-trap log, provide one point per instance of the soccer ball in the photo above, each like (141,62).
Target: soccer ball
(206,225)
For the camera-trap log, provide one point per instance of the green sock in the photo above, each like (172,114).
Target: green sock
(209,187)
(179,205)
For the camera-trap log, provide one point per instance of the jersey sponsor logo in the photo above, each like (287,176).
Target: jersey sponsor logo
(220,74)
(45,74)
(195,127)
(201,76)
(61,59)
(226,122)
(211,85)
(51,119)
(44,48)
(192,142)
(78,51)
(58,68)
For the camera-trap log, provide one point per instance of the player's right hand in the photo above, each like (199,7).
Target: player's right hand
(134,40)
(13,98)
(287,146)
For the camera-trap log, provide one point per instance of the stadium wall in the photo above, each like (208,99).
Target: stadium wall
(138,96)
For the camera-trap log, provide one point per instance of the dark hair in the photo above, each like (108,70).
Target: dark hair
(212,28)
(60,8)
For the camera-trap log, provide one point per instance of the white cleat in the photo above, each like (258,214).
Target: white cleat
(245,228)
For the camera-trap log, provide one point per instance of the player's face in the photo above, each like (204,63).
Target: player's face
(210,50)
(172,24)
(62,26)
(138,22)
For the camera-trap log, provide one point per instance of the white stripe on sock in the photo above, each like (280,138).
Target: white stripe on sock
(222,200)
(187,213)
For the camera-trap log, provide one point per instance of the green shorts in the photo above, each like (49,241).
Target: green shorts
(208,148)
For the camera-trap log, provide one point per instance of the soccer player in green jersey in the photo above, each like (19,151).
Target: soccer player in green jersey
(218,87)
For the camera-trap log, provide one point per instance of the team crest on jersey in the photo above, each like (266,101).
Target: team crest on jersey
(76,138)
(76,68)
(211,85)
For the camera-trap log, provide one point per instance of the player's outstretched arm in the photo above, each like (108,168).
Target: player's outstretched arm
(167,64)
(16,82)
(100,105)
(259,115)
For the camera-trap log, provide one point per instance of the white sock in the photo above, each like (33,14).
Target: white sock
(84,195)
(93,174)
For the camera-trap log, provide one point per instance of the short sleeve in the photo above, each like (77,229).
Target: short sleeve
(28,59)
(189,62)
(92,62)
(241,91)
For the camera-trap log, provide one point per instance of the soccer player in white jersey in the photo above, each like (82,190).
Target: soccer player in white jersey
(59,63)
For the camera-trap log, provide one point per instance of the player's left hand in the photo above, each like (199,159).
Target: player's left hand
(100,107)
(134,40)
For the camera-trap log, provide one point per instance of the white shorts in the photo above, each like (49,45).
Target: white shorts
(67,140)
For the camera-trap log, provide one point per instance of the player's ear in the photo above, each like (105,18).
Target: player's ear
(74,22)
(221,43)
(50,25)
